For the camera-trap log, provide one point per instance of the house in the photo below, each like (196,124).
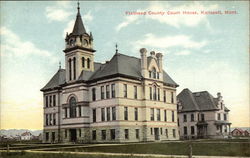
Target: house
(26,136)
(200,115)
(239,132)
(126,99)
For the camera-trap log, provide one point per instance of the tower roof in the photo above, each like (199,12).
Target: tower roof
(78,27)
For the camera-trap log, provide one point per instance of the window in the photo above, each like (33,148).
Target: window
(151,131)
(136,114)
(225,129)
(192,130)
(172,97)
(192,117)
(107,92)
(158,95)
(108,114)
(185,130)
(225,117)
(152,114)
(150,93)
(125,113)
(173,116)
(161,130)
(184,118)
(154,95)
(150,74)
(154,72)
(66,112)
(126,134)
(158,115)
(103,114)
(94,135)
(47,136)
(102,92)
(50,101)
(74,68)
(72,107)
(103,134)
(218,116)
(80,132)
(113,113)
(47,119)
(88,63)
(65,133)
(50,119)
(79,111)
(54,100)
(135,92)
(94,115)
(83,62)
(113,90)
(46,101)
(164,96)
(202,117)
(93,94)
(54,119)
(137,133)
(158,75)
(165,115)
(166,132)
(125,91)
(70,69)
(112,134)
(174,133)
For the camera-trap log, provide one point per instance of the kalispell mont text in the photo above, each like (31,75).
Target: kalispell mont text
(162,13)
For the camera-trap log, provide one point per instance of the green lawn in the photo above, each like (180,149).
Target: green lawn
(61,155)
(174,148)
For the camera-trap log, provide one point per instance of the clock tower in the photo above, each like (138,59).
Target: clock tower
(79,52)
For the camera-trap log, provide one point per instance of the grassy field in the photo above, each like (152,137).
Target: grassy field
(61,155)
(199,147)
(174,148)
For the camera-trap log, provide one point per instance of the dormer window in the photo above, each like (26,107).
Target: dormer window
(71,42)
(154,72)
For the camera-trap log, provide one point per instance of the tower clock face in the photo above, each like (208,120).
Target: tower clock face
(85,42)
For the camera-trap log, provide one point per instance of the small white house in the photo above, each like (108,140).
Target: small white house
(26,136)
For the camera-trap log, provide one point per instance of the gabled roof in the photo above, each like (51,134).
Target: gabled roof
(56,80)
(26,134)
(119,65)
(197,101)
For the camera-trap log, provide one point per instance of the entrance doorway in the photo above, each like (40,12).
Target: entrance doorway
(72,135)
(156,132)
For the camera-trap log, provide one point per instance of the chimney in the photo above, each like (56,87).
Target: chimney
(143,52)
(159,59)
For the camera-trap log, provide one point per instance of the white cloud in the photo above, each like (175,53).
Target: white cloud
(128,20)
(173,20)
(59,12)
(68,28)
(183,52)
(182,41)
(12,45)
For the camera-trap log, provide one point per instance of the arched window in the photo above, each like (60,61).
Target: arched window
(72,107)
(83,62)
(74,67)
(154,93)
(88,63)
(69,69)
(154,72)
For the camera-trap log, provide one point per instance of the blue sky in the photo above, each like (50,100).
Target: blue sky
(201,52)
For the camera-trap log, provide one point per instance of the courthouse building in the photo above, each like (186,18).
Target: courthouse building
(126,99)
(200,115)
